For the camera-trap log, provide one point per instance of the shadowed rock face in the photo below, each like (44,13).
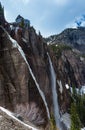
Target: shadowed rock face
(13,70)
(18,91)
(35,50)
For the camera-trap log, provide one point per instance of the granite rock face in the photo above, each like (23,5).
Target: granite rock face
(74,37)
(35,49)
(18,91)
(69,65)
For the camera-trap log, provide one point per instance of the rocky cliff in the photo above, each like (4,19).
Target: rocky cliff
(19,91)
(74,37)
(26,77)
(69,65)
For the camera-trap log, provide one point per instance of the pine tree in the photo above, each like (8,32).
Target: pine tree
(75,121)
(1,9)
(22,23)
(79,101)
(0,6)
(81,108)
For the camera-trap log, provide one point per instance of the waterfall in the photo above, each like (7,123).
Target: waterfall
(54,94)
(16,45)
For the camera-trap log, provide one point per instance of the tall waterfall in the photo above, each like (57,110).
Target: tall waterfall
(16,45)
(54,94)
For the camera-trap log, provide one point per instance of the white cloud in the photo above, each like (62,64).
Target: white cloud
(80,21)
(71,25)
(61,2)
(24,1)
(77,22)
(83,24)
(20,1)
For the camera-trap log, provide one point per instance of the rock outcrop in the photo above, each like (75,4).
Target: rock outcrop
(74,37)
(69,65)
(9,122)
(18,91)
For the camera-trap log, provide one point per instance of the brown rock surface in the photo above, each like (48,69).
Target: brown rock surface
(18,91)
(9,122)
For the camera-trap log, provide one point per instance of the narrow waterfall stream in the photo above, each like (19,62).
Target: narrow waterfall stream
(54,94)
(16,45)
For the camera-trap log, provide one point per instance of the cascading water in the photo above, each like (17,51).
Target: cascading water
(54,93)
(16,45)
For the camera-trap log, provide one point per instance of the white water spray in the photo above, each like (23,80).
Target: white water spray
(54,94)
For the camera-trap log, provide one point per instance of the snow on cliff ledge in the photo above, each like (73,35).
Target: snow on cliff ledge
(12,117)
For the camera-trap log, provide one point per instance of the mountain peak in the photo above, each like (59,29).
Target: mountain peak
(74,37)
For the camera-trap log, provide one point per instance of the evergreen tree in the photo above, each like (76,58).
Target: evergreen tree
(75,121)
(22,23)
(1,9)
(81,108)
(39,33)
(79,101)
(74,92)
(0,6)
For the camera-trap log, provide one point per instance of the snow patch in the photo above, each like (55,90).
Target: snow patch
(49,43)
(79,91)
(83,128)
(16,30)
(82,90)
(11,115)
(60,85)
(56,45)
(13,41)
(67,86)
(81,58)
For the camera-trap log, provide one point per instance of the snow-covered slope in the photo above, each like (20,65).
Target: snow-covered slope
(6,117)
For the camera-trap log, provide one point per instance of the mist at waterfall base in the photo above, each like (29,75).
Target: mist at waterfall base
(54,94)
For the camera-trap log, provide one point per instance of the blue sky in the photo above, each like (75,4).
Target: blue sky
(48,16)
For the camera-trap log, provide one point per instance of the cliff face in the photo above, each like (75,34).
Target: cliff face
(25,75)
(74,37)
(36,53)
(69,65)
(18,91)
